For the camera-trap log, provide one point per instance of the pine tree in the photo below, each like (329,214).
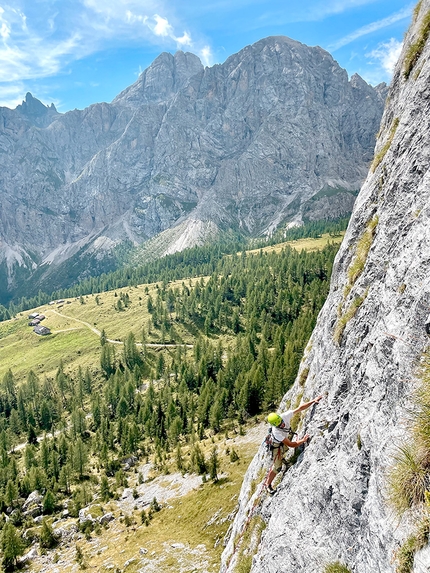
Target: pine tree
(32,436)
(80,457)
(105,492)
(11,545)
(214,464)
(47,538)
(179,458)
(49,502)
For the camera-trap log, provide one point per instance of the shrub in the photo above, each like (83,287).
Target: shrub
(47,537)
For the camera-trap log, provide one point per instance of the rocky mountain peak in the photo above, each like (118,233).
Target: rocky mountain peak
(37,112)
(164,77)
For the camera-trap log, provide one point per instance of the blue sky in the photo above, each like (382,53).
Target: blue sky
(78,52)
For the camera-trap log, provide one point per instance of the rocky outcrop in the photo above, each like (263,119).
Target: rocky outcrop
(331,505)
(187,150)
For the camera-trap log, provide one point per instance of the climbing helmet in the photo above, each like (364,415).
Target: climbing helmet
(274,419)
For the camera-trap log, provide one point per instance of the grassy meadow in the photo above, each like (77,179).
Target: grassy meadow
(72,339)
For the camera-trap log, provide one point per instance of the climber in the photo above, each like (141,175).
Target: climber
(281,434)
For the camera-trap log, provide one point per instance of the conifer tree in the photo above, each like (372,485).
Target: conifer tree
(48,540)
(11,545)
(214,464)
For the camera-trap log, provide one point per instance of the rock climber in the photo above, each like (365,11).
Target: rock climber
(281,434)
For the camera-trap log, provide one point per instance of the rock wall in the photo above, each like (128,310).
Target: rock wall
(331,505)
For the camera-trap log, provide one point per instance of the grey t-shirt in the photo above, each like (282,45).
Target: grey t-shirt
(280,434)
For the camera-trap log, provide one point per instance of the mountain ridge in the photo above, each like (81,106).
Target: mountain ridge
(185,147)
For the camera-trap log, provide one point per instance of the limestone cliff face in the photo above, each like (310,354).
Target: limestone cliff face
(362,356)
(186,148)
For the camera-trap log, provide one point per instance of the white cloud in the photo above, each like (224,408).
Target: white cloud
(370,28)
(340,6)
(12,94)
(206,56)
(185,40)
(40,40)
(386,55)
(162,26)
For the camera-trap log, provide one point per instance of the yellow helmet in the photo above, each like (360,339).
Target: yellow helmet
(274,419)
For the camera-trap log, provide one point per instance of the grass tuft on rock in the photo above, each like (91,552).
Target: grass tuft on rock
(381,153)
(415,50)
(336,567)
(363,248)
(347,316)
(408,478)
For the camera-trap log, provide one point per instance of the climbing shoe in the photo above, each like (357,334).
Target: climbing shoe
(270,489)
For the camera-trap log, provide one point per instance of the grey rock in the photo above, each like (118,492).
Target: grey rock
(66,532)
(331,505)
(129,462)
(29,556)
(84,516)
(38,519)
(33,498)
(106,518)
(182,154)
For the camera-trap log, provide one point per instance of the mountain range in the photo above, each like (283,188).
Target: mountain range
(277,134)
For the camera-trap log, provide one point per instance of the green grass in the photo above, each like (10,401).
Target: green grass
(415,50)
(308,244)
(347,316)
(187,520)
(248,544)
(77,346)
(336,567)
(407,478)
(363,248)
(381,153)
(72,341)
(406,553)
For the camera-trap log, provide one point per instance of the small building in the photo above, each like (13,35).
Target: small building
(34,322)
(41,330)
(34,315)
(41,317)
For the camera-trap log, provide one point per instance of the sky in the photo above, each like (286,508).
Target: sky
(74,53)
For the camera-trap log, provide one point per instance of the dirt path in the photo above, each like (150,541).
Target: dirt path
(96,331)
